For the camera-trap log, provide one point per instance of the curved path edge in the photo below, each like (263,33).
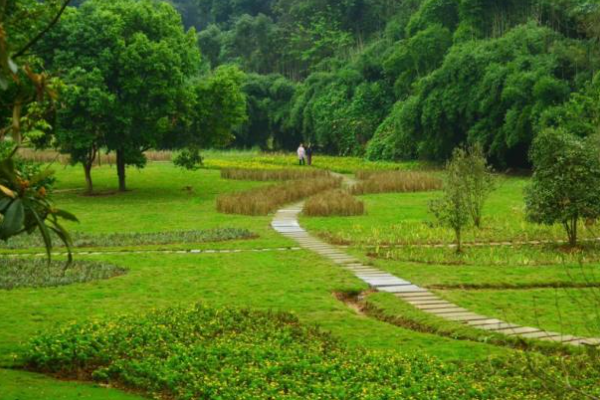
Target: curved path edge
(286,223)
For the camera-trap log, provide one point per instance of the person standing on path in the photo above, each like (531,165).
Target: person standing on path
(309,154)
(301,155)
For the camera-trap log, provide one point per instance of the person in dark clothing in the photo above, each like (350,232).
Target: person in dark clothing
(309,154)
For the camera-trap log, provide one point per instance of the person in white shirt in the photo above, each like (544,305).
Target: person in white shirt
(301,155)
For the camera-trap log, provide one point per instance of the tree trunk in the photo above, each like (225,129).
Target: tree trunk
(89,185)
(573,238)
(458,241)
(121,170)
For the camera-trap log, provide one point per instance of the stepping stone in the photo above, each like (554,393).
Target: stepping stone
(561,338)
(491,321)
(539,335)
(433,302)
(440,307)
(393,281)
(408,296)
(468,316)
(446,311)
(402,289)
(517,331)
(495,327)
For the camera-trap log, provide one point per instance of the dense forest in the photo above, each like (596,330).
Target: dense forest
(384,79)
(399,79)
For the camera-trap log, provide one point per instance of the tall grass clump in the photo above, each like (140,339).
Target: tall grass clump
(262,201)
(49,156)
(333,202)
(272,175)
(395,182)
(229,354)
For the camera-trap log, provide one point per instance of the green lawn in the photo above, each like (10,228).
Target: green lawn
(559,310)
(293,281)
(402,219)
(19,385)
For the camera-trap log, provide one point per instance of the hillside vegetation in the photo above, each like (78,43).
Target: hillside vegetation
(409,78)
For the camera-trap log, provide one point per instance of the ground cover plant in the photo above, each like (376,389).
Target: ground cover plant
(81,239)
(262,201)
(29,272)
(192,352)
(272,175)
(258,160)
(395,181)
(333,202)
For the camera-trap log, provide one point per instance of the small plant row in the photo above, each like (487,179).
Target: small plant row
(227,354)
(262,201)
(333,203)
(395,182)
(139,239)
(35,272)
(272,174)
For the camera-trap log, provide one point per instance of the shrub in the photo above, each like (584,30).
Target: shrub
(566,181)
(395,181)
(141,239)
(333,202)
(262,201)
(272,175)
(208,353)
(30,272)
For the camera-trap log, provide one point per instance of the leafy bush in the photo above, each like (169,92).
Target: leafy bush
(395,181)
(207,353)
(333,202)
(566,181)
(29,272)
(26,208)
(262,201)
(141,239)
(272,175)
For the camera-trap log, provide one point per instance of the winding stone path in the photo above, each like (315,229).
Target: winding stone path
(286,223)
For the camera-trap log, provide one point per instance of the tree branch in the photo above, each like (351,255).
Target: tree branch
(36,39)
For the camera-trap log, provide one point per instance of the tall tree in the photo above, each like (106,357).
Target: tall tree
(144,58)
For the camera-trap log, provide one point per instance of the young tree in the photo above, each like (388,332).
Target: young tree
(477,180)
(87,107)
(565,186)
(452,209)
(145,59)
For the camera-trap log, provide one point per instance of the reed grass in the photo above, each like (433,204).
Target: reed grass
(49,156)
(262,201)
(395,182)
(272,175)
(333,202)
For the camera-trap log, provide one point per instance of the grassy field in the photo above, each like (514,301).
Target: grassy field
(503,276)
(164,199)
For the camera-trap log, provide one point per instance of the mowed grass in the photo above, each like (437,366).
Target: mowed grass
(20,385)
(160,198)
(286,281)
(559,310)
(404,218)
(495,272)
